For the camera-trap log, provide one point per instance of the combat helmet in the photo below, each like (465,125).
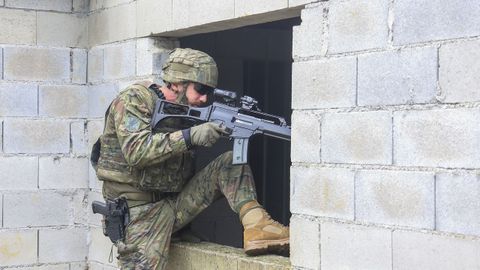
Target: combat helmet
(190,65)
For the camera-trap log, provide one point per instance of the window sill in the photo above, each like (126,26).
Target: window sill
(204,256)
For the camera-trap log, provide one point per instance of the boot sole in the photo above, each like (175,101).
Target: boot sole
(261,247)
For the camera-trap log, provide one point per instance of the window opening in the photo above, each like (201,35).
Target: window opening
(254,61)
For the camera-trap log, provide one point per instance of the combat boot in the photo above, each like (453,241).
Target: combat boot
(261,233)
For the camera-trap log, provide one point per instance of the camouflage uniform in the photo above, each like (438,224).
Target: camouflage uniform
(153,170)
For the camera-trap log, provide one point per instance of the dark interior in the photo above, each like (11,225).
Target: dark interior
(254,61)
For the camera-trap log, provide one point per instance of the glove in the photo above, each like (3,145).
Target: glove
(206,134)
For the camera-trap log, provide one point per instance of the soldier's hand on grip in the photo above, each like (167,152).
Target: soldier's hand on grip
(206,134)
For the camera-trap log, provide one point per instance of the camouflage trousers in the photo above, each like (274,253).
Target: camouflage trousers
(148,234)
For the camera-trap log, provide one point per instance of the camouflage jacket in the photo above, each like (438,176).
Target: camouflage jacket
(131,153)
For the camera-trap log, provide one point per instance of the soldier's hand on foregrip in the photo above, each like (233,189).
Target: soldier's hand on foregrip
(206,134)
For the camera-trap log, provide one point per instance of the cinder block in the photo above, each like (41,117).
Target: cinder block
(81,207)
(36,64)
(180,257)
(65,245)
(437,138)
(414,250)
(251,7)
(93,181)
(100,246)
(399,77)
(95,64)
(18,247)
(458,203)
(305,137)
(304,243)
(151,53)
(1,210)
(56,5)
(304,42)
(149,22)
(420,21)
(101,4)
(18,99)
(44,267)
(79,66)
(120,61)
(294,3)
(324,84)
(18,173)
(94,130)
(45,208)
(36,136)
(181,18)
(216,11)
(63,101)
(57,29)
(81,6)
(1,63)
(241,265)
(99,98)
(322,192)
(364,138)
(214,256)
(63,173)
(395,197)
(346,246)
(198,14)
(18,26)
(113,24)
(78,138)
(214,261)
(79,266)
(357,25)
(459,73)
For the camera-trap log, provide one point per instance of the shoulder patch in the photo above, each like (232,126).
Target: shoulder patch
(132,123)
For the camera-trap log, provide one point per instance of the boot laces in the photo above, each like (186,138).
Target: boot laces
(272,221)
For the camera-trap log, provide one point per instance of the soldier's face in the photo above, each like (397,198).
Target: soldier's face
(194,97)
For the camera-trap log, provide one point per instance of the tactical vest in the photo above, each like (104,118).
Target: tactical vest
(168,176)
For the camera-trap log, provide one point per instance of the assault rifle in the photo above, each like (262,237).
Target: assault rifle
(240,122)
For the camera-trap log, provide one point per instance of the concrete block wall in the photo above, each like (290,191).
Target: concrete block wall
(196,256)
(112,67)
(385,149)
(54,91)
(118,20)
(43,115)
(385,140)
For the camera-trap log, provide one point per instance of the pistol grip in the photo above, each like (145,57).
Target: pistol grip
(240,151)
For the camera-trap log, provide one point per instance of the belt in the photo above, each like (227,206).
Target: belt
(137,199)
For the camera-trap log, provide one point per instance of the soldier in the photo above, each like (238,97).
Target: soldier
(153,171)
